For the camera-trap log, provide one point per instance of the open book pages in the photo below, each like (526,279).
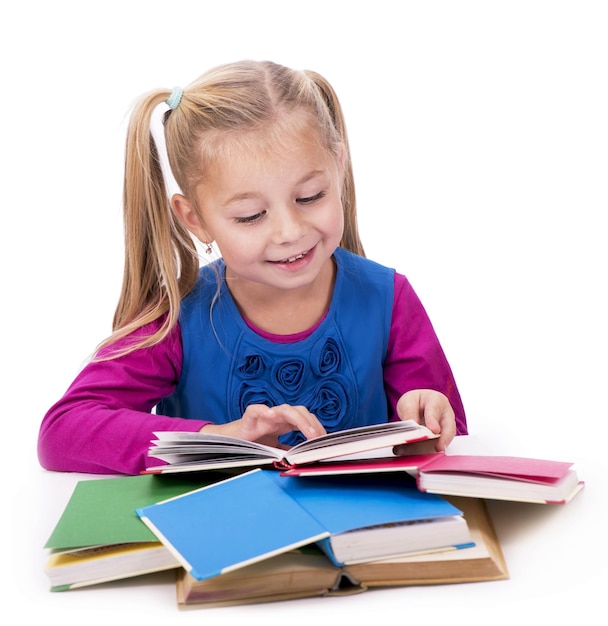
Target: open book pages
(183,451)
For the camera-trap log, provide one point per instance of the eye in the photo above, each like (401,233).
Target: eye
(311,199)
(250,219)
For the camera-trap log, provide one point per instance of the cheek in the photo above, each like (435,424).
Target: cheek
(340,218)
(238,247)
(335,221)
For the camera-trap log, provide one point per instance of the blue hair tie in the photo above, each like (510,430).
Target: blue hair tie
(175,98)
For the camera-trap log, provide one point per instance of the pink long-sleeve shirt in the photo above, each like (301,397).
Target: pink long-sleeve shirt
(105,420)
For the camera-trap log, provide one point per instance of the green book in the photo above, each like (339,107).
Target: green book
(99,537)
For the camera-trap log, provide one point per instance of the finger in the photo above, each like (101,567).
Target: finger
(441,421)
(408,406)
(448,431)
(437,414)
(256,422)
(431,409)
(300,418)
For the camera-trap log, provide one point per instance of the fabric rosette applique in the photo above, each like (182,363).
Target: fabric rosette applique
(322,381)
(326,357)
(288,376)
(252,366)
(329,401)
(257,392)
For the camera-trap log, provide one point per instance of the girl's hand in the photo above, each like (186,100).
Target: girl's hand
(432,409)
(264,424)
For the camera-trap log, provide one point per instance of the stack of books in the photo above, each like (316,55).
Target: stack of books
(341,516)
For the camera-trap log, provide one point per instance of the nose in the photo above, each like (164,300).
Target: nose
(288,225)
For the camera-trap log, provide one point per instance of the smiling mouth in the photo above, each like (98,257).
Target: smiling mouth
(293,259)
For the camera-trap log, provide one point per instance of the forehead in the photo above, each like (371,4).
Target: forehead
(237,158)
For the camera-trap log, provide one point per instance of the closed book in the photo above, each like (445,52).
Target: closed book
(99,537)
(231,524)
(479,476)
(377,516)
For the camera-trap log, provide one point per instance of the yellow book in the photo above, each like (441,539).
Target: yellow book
(90,566)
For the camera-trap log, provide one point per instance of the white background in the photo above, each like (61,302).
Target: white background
(479,138)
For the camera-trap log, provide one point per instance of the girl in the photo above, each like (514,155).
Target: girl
(292,332)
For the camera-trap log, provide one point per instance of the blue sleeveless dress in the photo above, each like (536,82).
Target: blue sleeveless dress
(336,372)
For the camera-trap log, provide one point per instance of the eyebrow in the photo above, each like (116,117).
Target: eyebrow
(246,195)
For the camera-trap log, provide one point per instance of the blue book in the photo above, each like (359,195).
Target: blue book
(259,514)
(371,517)
(231,524)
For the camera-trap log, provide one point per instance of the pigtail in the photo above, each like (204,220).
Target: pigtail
(161,262)
(350,240)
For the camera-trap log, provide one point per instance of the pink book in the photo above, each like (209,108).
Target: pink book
(492,477)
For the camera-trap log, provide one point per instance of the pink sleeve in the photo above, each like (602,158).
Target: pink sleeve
(415,358)
(103,424)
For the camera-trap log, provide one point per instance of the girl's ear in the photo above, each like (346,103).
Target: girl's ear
(188,216)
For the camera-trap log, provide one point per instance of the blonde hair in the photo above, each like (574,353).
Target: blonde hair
(229,101)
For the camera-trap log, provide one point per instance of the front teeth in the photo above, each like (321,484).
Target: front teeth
(295,258)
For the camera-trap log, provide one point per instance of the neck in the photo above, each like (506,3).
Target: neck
(282,311)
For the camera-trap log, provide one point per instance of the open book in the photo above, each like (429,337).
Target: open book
(308,572)
(493,477)
(189,452)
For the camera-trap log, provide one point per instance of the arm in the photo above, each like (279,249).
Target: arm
(103,422)
(416,365)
